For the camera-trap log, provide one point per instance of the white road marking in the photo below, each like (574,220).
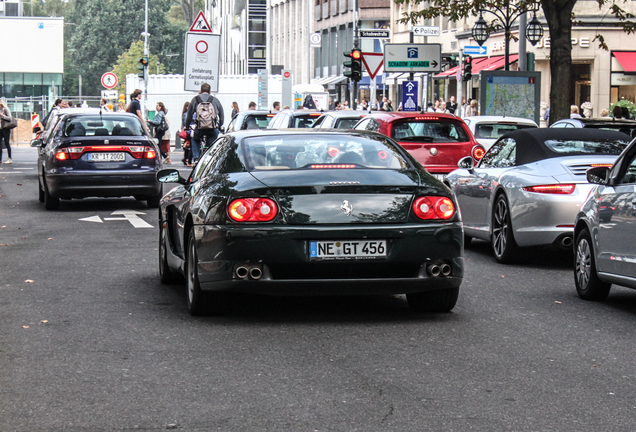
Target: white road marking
(92,219)
(131,216)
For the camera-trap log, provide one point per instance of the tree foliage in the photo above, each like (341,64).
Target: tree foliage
(128,61)
(105,29)
(559,18)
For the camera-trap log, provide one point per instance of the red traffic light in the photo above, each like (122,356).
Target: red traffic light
(468,60)
(356,54)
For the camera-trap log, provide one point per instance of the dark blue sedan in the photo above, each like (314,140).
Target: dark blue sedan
(90,154)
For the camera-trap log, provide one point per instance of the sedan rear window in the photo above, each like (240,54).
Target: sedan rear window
(305,121)
(495,130)
(96,125)
(320,151)
(575,147)
(428,131)
(258,121)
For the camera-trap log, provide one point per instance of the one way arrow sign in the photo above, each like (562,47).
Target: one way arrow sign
(475,49)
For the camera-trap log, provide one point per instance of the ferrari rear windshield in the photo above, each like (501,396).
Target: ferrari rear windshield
(282,152)
(575,147)
(429,131)
(102,126)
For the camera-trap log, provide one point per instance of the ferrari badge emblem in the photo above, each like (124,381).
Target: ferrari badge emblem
(346,208)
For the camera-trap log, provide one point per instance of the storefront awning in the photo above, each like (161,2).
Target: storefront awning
(480,64)
(626,59)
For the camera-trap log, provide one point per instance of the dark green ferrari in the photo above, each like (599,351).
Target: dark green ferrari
(310,212)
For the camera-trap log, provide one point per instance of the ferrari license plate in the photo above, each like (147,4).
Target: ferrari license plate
(366,249)
(107,157)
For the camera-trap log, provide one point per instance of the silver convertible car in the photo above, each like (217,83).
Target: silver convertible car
(528,188)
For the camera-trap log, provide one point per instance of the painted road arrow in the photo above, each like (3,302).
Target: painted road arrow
(128,215)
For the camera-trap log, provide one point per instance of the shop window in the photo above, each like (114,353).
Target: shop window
(12,78)
(32,79)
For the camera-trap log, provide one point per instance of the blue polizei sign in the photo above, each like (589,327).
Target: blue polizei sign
(409,96)
(475,50)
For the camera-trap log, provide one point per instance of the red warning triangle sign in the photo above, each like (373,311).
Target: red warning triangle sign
(373,62)
(200,24)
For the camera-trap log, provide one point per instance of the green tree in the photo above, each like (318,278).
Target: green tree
(105,29)
(559,17)
(128,61)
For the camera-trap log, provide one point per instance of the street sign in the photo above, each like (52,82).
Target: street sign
(412,57)
(426,30)
(409,95)
(373,63)
(109,80)
(201,61)
(286,88)
(201,24)
(109,94)
(263,91)
(375,33)
(475,49)
(315,40)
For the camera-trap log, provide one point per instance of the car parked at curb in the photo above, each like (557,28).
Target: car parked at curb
(87,153)
(310,212)
(605,228)
(437,141)
(527,189)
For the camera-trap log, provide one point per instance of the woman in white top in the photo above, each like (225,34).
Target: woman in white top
(5,133)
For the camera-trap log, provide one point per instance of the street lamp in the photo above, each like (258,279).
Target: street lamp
(507,17)
(534,31)
(480,30)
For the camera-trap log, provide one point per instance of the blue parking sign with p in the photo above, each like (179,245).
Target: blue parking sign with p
(411,52)
(409,96)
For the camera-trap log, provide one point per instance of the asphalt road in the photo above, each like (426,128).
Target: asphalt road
(91,341)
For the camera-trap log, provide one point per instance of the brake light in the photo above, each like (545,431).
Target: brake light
(601,165)
(478,152)
(75,152)
(561,189)
(150,153)
(62,154)
(333,151)
(315,114)
(252,210)
(270,115)
(434,207)
(427,118)
(345,166)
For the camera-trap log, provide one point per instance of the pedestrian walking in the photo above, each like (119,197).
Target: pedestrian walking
(162,131)
(205,113)
(5,131)
(121,106)
(187,144)
(574,112)
(103,105)
(472,109)
(235,109)
(135,105)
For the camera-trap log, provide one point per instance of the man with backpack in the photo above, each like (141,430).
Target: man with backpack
(205,117)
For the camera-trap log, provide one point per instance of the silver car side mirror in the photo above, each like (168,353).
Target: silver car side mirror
(170,176)
(466,163)
(598,175)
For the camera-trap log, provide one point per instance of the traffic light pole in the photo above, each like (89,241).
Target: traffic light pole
(356,44)
(460,84)
(146,55)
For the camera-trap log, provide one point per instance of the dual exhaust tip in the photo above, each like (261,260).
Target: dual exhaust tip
(437,270)
(253,272)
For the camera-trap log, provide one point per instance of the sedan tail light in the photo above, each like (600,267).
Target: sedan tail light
(434,207)
(561,189)
(252,210)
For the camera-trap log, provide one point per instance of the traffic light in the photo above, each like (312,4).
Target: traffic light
(468,68)
(142,67)
(355,73)
(451,60)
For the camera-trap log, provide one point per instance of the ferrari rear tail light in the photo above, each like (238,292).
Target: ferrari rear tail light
(252,210)
(561,189)
(434,207)
(478,152)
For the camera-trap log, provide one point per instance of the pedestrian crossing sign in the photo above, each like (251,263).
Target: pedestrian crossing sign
(201,24)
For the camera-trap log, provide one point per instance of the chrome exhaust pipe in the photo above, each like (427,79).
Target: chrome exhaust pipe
(256,273)
(566,242)
(241,272)
(434,270)
(445,269)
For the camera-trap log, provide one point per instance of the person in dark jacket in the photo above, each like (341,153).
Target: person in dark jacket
(197,138)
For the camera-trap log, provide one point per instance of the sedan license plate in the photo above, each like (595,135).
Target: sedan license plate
(347,249)
(107,157)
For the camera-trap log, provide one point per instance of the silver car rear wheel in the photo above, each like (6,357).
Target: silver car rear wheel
(502,239)
(588,284)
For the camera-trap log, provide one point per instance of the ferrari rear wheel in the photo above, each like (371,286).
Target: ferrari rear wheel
(588,284)
(433,301)
(502,239)
(166,276)
(195,297)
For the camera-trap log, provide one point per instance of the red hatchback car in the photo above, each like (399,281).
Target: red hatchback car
(438,141)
